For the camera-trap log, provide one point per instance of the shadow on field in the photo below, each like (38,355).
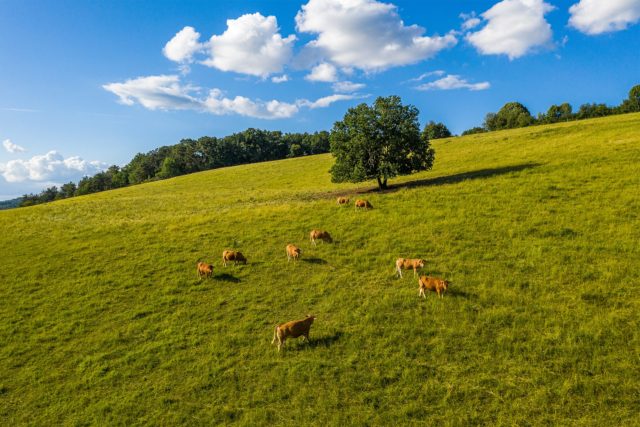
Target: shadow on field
(226,277)
(453,179)
(457,293)
(325,341)
(314,260)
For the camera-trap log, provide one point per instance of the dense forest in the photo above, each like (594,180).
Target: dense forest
(188,156)
(515,115)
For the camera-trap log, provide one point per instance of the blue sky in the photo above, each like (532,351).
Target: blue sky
(85,84)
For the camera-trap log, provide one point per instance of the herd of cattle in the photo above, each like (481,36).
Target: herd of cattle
(297,328)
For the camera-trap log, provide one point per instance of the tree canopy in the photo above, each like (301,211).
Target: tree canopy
(379,142)
(435,130)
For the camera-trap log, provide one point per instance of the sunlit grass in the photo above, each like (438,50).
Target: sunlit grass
(104,321)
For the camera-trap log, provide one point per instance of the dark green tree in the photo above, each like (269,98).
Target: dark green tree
(435,130)
(632,103)
(379,142)
(511,115)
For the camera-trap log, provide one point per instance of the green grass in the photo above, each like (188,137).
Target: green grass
(103,320)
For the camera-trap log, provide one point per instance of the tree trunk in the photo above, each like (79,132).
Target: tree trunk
(382,183)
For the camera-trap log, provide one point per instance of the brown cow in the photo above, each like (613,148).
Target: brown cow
(432,284)
(407,263)
(234,256)
(363,204)
(292,329)
(293,252)
(343,200)
(320,235)
(204,270)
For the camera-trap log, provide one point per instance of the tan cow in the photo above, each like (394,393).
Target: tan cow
(204,270)
(320,235)
(407,263)
(292,329)
(363,204)
(432,284)
(293,252)
(234,256)
(343,200)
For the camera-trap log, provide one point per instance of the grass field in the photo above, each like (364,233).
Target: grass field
(103,320)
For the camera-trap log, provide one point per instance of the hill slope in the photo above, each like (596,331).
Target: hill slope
(103,320)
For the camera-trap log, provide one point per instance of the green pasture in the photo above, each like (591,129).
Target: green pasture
(103,320)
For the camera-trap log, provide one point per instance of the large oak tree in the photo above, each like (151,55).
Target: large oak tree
(379,142)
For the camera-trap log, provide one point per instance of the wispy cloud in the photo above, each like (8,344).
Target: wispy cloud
(452,82)
(11,147)
(425,75)
(20,110)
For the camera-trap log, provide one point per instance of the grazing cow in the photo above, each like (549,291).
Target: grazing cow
(320,235)
(407,263)
(432,284)
(343,200)
(363,204)
(293,252)
(234,256)
(292,329)
(204,270)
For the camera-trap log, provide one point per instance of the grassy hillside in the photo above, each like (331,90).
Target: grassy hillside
(103,320)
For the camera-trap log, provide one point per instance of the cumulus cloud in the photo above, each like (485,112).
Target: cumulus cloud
(155,93)
(11,147)
(366,34)
(250,45)
(451,82)
(324,72)
(347,86)
(597,16)
(51,167)
(470,20)
(183,46)
(513,28)
(280,79)
(168,93)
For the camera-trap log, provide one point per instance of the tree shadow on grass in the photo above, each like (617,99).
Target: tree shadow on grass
(453,179)
(457,293)
(314,260)
(226,277)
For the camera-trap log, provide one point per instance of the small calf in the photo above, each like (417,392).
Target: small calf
(363,204)
(343,200)
(292,329)
(407,263)
(204,270)
(320,235)
(432,284)
(234,256)
(293,252)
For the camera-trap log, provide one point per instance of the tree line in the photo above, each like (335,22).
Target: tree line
(515,115)
(188,156)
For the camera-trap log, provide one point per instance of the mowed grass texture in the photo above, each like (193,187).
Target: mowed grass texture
(103,320)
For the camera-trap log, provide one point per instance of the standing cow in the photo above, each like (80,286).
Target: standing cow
(292,329)
(407,263)
(435,284)
(293,252)
(363,204)
(320,235)
(234,256)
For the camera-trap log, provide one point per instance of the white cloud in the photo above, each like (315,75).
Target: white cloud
(366,34)
(219,105)
(470,20)
(51,167)
(451,82)
(155,93)
(11,147)
(427,74)
(347,86)
(251,45)
(328,100)
(183,45)
(514,28)
(324,72)
(168,93)
(599,16)
(280,79)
